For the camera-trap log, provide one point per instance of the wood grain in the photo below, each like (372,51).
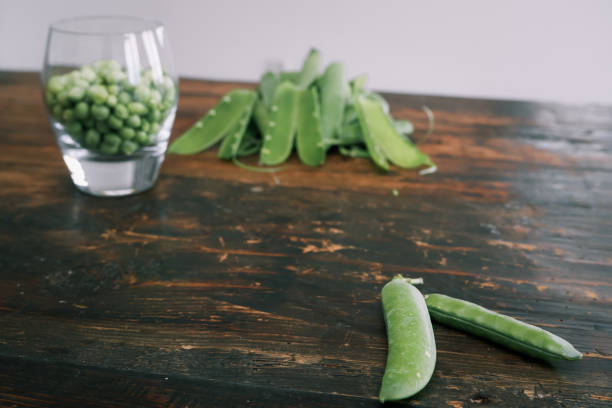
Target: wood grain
(223,287)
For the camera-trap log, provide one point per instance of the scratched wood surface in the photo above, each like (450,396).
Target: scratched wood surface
(223,287)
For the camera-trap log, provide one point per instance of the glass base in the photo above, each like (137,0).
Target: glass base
(113,177)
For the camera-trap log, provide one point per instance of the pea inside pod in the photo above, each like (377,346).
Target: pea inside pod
(411,355)
(501,329)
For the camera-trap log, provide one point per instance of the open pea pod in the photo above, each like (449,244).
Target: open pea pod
(231,144)
(281,129)
(333,90)
(310,147)
(216,124)
(383,134)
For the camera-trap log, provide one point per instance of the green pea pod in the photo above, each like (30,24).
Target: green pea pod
(310,69)
(267,86)
(231,144)
(310,147)
(501,329)
(333,99)
(281,129)
(261,116)
(411,355)
(376,153)
(358,84)
(375,122)
(215,124)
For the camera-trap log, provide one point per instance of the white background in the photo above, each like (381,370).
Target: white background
(508,49)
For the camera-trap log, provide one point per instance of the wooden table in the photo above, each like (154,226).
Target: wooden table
(223,287)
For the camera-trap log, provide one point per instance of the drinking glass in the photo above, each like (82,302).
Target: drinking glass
(111,94)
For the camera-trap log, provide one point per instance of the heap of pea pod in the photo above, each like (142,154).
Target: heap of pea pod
(103,111)
(310,110)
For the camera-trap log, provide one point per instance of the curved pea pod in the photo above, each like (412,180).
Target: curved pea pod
(411,355)
(281,129)
(231,144)
(376,153)
(310,69)
(501,329)
(216,123)
(333,99)
(377,124)
(310,147)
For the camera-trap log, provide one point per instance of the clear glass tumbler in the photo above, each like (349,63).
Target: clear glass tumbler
(111,94)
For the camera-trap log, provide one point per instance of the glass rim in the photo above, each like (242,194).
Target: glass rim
(140,25)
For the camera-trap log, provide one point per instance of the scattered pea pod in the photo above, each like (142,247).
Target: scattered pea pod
(411,355)
(501,329)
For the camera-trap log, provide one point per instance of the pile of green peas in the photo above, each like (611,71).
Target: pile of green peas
(104,112)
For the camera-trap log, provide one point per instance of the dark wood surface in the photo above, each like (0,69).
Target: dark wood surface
(223,287)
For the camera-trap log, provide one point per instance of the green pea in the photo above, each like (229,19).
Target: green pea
(81,110)
(137,108)
(97,93)
(50,97)
(109,148)
(155,98)
(141,93)
(92,138)
(111,100)
(501,329)
(154,128)
(121,111)
(124,98)
(128,147)
(88,123)
(114,89)
(102,126)
(62,98)
(146,126)
(411,355)
(154,115)
(88,73)
(56,83)
(112,139)
(68,115)
(58,112)
(114,122)
(100,112)
(142,137)
(74,128)
(133,121)
(127,133)
(151,139)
